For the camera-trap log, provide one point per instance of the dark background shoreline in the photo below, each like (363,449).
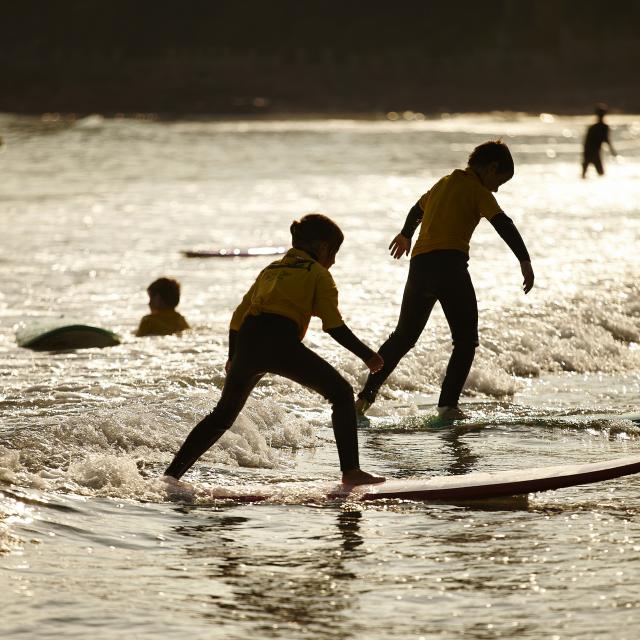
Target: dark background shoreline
(221,58)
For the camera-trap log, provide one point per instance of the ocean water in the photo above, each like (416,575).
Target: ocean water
(91,543)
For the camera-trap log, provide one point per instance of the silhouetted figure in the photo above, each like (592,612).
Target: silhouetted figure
(447,216)
(596,134)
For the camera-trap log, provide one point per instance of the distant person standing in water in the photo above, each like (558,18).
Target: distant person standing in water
(448,214)
(597,134)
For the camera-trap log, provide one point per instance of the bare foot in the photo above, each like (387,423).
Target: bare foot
(362,406)
(177,489)
(452,413)
(357,476)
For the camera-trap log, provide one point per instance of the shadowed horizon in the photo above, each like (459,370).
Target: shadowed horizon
(224,58)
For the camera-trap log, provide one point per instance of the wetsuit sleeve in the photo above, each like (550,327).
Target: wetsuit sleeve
(344,336)
(503,224)
(233,338)
(241,311)
(607,139)
(325,301)
(414,218)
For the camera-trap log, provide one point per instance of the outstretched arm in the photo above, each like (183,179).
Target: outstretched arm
(401,244)
(414,218)
(607,139)
(503,224)
(344,336)
(326,308)
(613,151)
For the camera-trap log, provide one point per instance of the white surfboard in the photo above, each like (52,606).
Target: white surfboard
(235,252)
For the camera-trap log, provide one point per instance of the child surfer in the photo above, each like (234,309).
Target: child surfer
(266,337)
(449,212)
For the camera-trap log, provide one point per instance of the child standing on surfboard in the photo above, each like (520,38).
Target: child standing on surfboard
(266,337)
(449,213)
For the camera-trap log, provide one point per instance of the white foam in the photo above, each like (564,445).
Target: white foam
(108,474)
(10,510)
(99,452)
(488,378)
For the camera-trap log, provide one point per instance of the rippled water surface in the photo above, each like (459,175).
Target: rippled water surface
(91,544)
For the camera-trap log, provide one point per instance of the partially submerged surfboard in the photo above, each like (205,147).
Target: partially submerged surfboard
(472,486)
(235,252)
(61,335)
(480,419)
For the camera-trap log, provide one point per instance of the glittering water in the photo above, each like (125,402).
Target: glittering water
(91,545)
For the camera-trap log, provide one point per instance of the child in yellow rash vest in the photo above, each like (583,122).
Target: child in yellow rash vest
(164,296)
(448,214)
(266,335)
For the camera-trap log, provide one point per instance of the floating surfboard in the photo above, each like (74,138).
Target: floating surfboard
(61,335)
(235,252)
(472,486)
(480,419)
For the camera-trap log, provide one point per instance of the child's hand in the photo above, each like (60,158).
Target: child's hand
(400,246)
(227,366)
(375,363)
(527,273)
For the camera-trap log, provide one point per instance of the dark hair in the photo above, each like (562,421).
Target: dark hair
(601,109)
(492,151)
(314,228)
(167,288)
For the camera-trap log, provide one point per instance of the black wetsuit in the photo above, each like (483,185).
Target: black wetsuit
(597,134)
(439,275)
(270,343)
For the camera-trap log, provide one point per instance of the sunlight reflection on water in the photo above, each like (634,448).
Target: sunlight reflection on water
(90,544)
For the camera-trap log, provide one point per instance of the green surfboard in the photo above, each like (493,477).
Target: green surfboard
(62,335)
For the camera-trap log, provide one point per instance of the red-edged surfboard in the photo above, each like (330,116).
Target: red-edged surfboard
(472,486)
(235,252)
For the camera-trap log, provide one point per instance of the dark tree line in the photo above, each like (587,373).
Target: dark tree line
(231,56)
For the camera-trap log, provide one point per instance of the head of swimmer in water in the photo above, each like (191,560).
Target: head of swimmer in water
(492,163)
(164,293)
(319,236)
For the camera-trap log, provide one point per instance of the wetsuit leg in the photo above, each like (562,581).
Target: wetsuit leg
(259,341)
(595,159)
(300,364)
(597,163)
(269,343)
(417,303)
(460,307)
(238,385)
